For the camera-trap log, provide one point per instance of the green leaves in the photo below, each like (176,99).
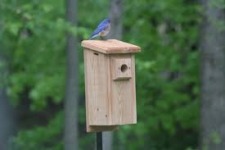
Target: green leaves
(51,87)
(42,137)
(167,84)
(166,69)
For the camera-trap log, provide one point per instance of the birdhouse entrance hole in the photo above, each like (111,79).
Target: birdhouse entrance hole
(123,68)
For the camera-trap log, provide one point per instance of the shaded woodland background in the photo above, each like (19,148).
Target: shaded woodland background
(180,73)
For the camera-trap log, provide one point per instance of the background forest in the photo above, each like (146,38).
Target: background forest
(42,100)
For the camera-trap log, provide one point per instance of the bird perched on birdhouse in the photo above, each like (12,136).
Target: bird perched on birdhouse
(102,29)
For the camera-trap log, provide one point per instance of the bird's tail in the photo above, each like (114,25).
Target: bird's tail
(93,36)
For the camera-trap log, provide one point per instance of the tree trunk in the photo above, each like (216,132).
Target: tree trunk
(72,89)
(213,76)
(115,15)
(7,112)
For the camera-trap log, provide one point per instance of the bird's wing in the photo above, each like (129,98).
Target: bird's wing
(103,23)
(99,29)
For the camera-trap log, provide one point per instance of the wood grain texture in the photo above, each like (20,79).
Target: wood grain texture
(96,91)
(123,101)
(96,88)
(110,46)
(109,88)
(121,67)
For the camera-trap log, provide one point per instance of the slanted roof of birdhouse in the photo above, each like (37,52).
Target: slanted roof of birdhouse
(111,46)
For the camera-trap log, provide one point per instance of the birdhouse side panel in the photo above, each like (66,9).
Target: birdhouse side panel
(97,104)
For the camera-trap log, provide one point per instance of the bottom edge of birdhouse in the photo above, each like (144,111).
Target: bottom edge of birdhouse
(112,124)
(101,128)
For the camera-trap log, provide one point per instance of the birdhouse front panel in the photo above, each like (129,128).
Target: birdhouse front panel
(123,98)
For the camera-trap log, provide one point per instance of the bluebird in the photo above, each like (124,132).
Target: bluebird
(102,29)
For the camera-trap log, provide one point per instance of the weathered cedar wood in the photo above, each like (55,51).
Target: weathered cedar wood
(111,46)
(109,84)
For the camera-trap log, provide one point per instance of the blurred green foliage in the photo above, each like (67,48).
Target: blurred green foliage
(33,38)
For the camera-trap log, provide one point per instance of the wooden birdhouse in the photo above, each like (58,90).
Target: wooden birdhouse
(109,84)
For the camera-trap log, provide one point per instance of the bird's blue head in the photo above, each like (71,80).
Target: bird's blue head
(107,20)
